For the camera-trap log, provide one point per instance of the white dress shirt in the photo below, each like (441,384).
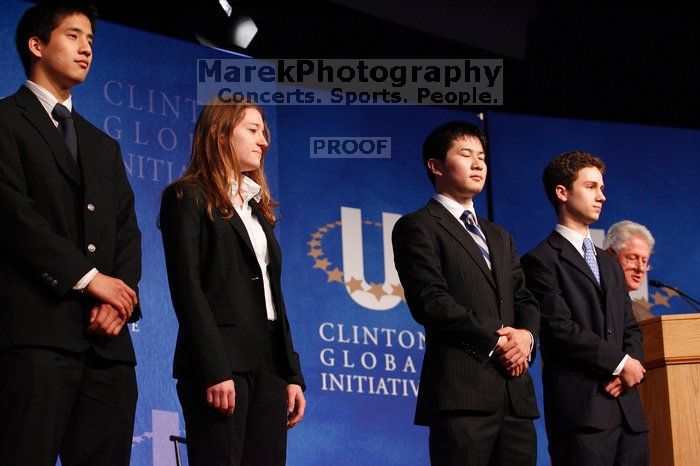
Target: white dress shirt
(49,101)
(456,209)
(576,240)
(248,190)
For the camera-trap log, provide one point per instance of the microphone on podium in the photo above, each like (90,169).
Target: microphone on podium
(694,303)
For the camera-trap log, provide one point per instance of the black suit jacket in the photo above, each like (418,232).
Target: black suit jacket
(461,304)
(47,227)
(217,291)
(586,331)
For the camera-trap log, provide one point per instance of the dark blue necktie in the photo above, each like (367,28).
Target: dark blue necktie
(67,128)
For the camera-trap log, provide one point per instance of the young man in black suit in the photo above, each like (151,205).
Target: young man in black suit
(463,283)
(70,260)
(591,344)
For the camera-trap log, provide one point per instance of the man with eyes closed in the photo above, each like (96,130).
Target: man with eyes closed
(590,341)
(463,282)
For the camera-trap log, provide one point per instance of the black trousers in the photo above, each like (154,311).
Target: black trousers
(617,445)
(472,438)
(76,405)
(256,433)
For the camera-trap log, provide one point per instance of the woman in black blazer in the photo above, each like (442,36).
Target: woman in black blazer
(239,379)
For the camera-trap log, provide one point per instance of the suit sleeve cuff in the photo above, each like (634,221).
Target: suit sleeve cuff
(532,345)
(620,366)
(85,281)
(297,380)
(498,342)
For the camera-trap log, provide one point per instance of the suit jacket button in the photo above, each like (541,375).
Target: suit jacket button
(610,331)
(54,283)
(91,247)
(91,207)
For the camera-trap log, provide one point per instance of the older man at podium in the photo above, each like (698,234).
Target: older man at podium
(631,244)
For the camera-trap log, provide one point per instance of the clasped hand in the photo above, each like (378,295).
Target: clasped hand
(117,302)
(513,350)
(105,320)
(115,292)
(632,374)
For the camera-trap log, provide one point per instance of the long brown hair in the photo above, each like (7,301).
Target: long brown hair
(214,164)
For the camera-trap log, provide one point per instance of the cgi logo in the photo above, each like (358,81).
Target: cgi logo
(350,148)
(378,296)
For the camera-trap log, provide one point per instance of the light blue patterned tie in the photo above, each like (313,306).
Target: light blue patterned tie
(589,255)
(478,236)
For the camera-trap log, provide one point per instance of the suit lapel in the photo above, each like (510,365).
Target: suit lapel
(237,224)
(458,232)
(88,149)
(606,275)
(570,255)
(37,117)
(272,245)
(497,255)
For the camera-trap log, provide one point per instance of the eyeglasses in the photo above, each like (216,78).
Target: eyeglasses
(636,262)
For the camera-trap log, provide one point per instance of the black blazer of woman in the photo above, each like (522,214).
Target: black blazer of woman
(216,287)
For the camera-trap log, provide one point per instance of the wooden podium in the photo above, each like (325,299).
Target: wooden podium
(671,393)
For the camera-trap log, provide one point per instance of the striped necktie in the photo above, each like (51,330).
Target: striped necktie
(478,236)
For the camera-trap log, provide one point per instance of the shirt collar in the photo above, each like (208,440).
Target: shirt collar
(574,237)
(454,207)
(249,189)
(46,98)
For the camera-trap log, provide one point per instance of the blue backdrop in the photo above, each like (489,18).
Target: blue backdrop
(651,178)
(360,349)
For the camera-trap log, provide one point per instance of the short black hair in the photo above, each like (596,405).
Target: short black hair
(563,170)
(441,138)
(42,19)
